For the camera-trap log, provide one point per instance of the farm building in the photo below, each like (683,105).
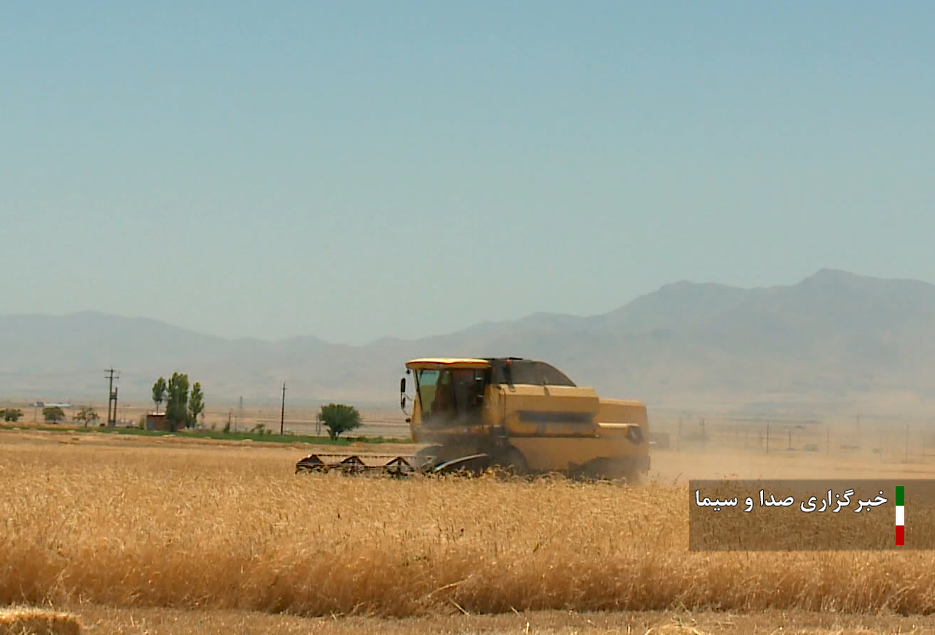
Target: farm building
(156,421)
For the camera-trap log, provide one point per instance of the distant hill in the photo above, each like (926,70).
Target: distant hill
(834,341)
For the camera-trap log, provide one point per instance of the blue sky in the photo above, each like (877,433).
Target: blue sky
(358,170)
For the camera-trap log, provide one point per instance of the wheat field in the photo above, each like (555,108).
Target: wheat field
(225,527)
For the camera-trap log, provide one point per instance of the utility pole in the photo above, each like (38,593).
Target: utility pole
(282,414)
(111,397)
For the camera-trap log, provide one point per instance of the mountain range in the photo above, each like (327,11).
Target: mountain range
(834,342)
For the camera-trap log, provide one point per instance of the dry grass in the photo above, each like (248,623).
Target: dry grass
(142,621)
(33,621)
(228,528)
(182,622)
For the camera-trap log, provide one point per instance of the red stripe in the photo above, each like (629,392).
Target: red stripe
(900,535)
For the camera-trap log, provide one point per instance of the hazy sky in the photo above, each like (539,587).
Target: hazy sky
(356,170)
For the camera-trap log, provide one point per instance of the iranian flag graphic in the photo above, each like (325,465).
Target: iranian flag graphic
(900,516)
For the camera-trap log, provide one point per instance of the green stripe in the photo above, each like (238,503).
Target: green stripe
(899,495)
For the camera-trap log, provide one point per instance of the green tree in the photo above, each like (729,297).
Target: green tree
(11,415)
(87,415)
(177,401)
(159,392)
(339,418)
(196,404)
(53,414)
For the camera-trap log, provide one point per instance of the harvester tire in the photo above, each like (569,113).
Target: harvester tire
(602,469)
(512,462)
(632,477)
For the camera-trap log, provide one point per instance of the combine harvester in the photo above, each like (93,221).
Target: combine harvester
(508,413)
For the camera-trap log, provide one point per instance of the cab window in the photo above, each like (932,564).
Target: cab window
(451,393)
(427,380)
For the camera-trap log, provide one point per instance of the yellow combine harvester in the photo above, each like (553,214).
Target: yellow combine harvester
(516,414)
(523,415)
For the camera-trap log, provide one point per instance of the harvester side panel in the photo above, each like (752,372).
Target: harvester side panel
(619,411)
(546,411)
(557,454)
(622,411)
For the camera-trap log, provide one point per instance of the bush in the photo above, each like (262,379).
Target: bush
(11,415)
(86,414)
(53,414)
(339,418)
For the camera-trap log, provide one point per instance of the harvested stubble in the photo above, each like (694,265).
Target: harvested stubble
(212,528)
(33,621)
